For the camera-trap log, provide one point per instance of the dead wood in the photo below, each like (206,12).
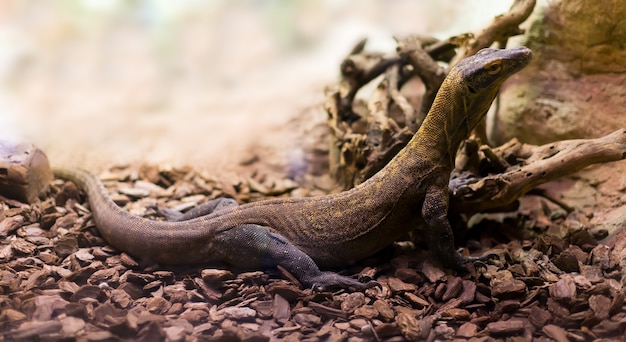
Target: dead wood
(366,136)
(531,167)
(500,30)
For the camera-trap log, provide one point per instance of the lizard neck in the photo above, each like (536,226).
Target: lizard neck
(447,124)
(454,114)
(432,150)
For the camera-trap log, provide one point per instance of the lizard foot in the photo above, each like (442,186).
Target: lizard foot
(329,280)
(479,261)
(459,261)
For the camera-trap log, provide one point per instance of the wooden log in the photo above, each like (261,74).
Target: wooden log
(24,171)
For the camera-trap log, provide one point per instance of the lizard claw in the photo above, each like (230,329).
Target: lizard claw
(460,262)
(329,280)
(479,261)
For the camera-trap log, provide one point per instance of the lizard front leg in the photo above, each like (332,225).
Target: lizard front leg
(252,245)
(438,233)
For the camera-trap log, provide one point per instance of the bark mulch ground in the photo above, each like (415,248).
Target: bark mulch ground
(549,278)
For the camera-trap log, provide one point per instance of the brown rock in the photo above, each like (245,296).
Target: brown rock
(237,313)
(556,309)
(76,310)
(128,261)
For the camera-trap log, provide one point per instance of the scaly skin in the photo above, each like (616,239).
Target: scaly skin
(334,230)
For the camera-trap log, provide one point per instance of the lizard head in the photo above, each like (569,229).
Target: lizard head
(480,77)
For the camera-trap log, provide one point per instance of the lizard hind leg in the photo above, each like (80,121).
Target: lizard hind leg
(256,246)
(197,211)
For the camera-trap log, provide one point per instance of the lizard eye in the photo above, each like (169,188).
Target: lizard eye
(493,67)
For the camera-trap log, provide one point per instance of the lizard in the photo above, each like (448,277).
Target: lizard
(303,234)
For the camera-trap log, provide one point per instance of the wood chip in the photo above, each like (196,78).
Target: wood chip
(564,289)
(556,333)
(509,327)
(510,288)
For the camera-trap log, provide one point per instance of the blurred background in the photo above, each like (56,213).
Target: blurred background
(96,83)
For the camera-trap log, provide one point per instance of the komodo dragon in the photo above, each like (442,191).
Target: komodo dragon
(299,234)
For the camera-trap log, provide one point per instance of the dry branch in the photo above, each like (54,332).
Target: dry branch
(501,28)
(536,165)
(366,136)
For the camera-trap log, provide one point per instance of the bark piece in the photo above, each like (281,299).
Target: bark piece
(467,330)
(556,333)
(509,289)
(509,327)
(24,171)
